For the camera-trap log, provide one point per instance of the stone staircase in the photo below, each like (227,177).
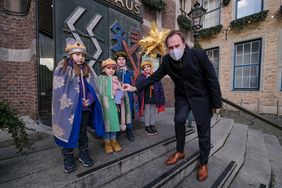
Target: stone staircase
(239,157)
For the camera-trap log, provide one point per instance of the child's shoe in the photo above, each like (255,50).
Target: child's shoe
(129,135)
(116,145)
(149,131)
(69,163)
(154,130)
(108,147)
(85,158)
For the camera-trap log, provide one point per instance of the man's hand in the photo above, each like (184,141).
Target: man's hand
(128,87)
(216,112)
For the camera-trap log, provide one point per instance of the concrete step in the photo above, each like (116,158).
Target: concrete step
(156,174)
(274,151)
(126,163)
(223,164)
(45,160)
(256,171)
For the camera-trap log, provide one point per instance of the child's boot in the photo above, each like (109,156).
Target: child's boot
(85,158)
(154,130)
(129,134)
(115,145)
(148,130)
(69,163)
(108,147)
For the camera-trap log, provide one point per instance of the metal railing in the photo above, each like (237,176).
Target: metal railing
(252,114)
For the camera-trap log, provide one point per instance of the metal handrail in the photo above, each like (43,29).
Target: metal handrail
(252,114)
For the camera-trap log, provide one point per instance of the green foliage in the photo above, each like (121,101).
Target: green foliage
(184,22)
(209,32)
(156,4)
(254,18)
(15,126)
(197,45)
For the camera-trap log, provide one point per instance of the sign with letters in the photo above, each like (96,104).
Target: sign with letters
(103,26)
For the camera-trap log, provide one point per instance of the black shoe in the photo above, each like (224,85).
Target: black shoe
(84,157)
(69,163)
(149,131)
(154,130)
(129,134)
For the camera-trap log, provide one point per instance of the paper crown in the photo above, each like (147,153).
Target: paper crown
(73,46)
(146,62)
(109,62)
(120,54)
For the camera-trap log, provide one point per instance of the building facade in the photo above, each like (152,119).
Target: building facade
(246,52)
(247,57)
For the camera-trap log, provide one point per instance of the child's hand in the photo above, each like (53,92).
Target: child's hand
(85,102)
(128,87)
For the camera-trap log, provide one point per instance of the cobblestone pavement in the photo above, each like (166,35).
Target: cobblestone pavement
(255,123)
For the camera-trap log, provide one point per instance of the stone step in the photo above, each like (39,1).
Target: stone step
(156,174)
(45,160)
(126,163)
(274,151)
(223,164)
(256,171)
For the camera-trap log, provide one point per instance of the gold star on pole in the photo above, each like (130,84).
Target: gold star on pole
(154,43)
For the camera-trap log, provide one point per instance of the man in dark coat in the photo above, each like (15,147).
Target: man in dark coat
(196,88)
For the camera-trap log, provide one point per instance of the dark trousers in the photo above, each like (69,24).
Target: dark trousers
(182,109)
(82,139)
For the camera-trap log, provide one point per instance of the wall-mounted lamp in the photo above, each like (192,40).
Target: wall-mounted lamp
(16,7)
(225,32)
(196,15)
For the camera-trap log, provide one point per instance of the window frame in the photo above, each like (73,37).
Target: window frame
(249,65)
(215,48)
(213,10)
(236,12)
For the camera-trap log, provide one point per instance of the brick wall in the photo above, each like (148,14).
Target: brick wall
(149,13)
(18,79)
(168,86)
(168,15)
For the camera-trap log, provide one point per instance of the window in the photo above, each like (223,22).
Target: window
(182,4)
(248,7)
(213,55)
(46,61)
(247,65)
(212,17)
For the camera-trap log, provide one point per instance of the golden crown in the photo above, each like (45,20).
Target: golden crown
(74,48)
(146,62)
(108,62)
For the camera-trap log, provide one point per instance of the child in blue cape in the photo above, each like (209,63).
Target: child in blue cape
(75,105)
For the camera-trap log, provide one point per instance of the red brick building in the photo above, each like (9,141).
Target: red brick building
(18,60)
